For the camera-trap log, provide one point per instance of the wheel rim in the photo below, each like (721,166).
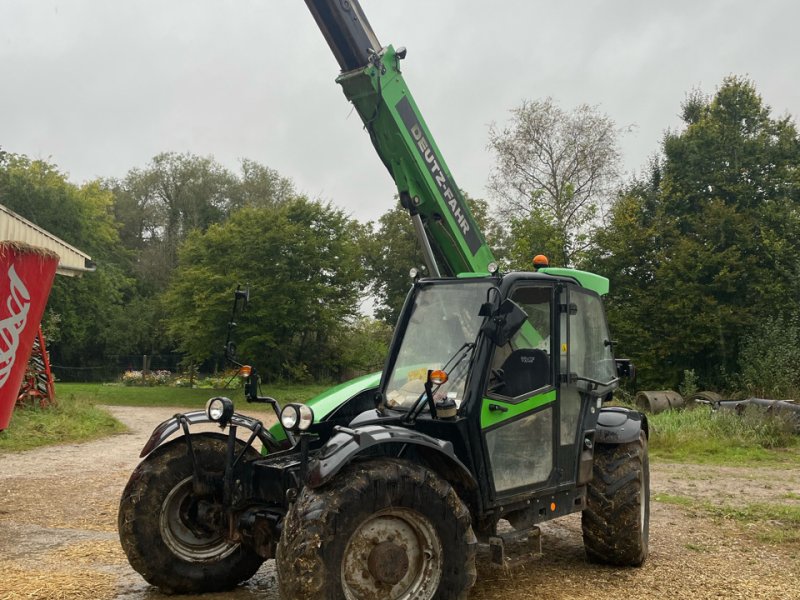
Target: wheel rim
(186,538)
(395,554)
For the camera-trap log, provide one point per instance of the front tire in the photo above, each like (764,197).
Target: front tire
(381,529)
(173,538)
(616,521)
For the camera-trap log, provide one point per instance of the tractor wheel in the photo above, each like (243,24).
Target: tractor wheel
(616,521)
(174,538)
(381,529)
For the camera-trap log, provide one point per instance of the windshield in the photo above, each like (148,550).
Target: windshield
(443,325)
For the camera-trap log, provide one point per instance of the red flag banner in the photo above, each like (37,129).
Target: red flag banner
(26,276)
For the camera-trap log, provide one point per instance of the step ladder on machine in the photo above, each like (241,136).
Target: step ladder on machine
(37,385)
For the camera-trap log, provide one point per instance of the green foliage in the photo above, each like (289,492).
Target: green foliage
(303,264)
(769,358)
(363,346)
(719,437)
(688,387)
(228,379)
(88,310)
(393,249)
(705,246)
(159,205)
(80,215)
(534,235)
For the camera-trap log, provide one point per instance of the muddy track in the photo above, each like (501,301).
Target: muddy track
(58,510)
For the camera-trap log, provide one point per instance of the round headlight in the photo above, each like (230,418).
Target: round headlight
(219,409)
(290,416)
(306,417)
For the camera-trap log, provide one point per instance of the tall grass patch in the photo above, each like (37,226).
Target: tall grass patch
(706,436)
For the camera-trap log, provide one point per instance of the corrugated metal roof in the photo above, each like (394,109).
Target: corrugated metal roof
(18,229)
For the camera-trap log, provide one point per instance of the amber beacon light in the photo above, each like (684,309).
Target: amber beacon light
(540,261)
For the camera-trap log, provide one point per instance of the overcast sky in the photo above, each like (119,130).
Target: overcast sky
(99,87)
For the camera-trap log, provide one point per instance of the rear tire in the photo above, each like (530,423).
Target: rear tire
(616,521)
(381,529)
(158,528)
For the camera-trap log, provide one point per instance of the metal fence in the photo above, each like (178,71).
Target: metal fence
(113,366)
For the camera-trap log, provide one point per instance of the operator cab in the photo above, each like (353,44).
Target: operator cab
(526,398)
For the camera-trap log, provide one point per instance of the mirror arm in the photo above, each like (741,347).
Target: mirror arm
(572,377)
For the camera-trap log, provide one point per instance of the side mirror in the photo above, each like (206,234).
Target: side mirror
(625,368)
(504,322)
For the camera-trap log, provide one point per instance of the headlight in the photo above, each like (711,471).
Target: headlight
(306,417)
(290,416)
(219,410)
(297,417)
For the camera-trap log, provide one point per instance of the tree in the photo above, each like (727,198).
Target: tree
(88,308)
(259,185)
(393,250)
(703,252)
(303,263)
(555,169)
(158,207)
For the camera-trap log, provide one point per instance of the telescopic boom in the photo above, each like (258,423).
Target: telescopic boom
(372,80)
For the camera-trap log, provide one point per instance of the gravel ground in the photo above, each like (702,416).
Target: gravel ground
(58,510)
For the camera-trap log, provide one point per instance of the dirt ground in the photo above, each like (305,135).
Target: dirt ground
(58,538)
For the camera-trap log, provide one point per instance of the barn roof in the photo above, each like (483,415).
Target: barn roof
(18,229)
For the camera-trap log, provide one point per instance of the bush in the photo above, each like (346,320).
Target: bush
(226,380)
(769,358)
(152,378)
(689,387)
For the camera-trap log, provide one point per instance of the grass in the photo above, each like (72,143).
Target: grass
(674,499)
(694,436)
(75,417)
(72,420)
(121,395)
(702,436)
(769,522)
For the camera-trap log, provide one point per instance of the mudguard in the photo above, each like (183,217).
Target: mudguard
(347,443)
(617,425)
(163,431)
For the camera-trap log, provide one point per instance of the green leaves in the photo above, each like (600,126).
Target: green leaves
(302,262)
(706,249)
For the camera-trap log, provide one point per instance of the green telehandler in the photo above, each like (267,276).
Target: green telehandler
(490,408)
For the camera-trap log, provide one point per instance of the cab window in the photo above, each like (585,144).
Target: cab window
(523,365)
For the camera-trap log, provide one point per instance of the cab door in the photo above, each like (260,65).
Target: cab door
(519,411)
(587,375)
